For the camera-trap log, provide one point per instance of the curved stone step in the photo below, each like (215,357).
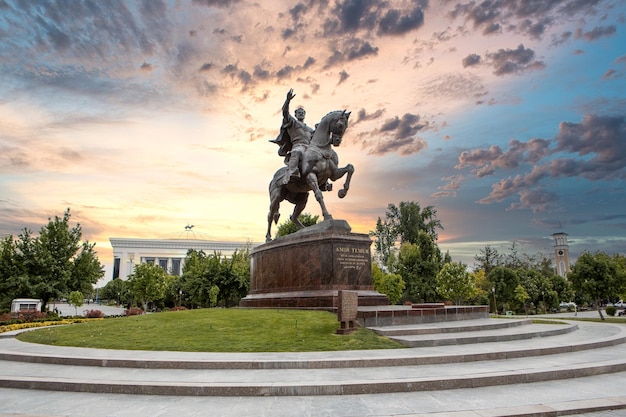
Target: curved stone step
(594,349)
(587,337)
(485,336)
(450,327)
(344,381)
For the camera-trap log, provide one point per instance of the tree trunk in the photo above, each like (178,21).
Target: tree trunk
(599,309)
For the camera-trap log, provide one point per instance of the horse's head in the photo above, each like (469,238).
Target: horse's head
(337,127)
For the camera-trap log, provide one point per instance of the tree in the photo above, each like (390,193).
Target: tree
(408,219)
(147,283)
(51,265)
(237,284)
(418,264)
(288,227)
(86,269)
(113,290)
(504,281)
(521,296)
(392,285)
(488,258)
(598,276)
(202,272)
(12,284)
(76,299)
(384,242)
(455,283)
(403,223)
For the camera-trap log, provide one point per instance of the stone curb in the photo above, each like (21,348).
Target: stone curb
(298,388)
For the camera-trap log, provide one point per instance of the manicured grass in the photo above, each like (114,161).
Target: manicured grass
(214,330)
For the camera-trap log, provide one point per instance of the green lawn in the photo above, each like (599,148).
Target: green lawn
(214,330)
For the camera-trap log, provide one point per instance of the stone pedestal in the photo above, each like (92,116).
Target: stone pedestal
(308,268)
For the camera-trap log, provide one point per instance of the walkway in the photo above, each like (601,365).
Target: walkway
(573,372)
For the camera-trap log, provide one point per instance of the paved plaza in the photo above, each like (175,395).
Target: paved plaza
(598,395)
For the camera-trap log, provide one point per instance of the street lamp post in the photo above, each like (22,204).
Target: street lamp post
(495,304)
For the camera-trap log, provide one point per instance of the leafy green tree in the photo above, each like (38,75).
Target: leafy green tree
(536,286)
(521,296)
(408,219)
(173,291)
(147,283)
(488,258)
(214,292)
(392,285)
(598,276)
(288,227)
(482,293)
(504,281)
(235,281)
(201,272)
(455,283)
(562,286)
(50,265)
(384,242)
(76,299)
(418,264)
(86,269)
(403,223)
(113,290)
(12,282)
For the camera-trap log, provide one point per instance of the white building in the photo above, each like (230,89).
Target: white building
(168,253)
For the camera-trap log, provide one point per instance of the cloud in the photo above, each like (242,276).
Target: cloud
(594,149)
(537,201)
(147,67)
(471,60)
(596,33)
(399,133)
(487,160)
(364,116)
(343,76)
(215,3)
(350,50)
(449,189)
(513,61)
(394,23)
(370,16)
(532,18)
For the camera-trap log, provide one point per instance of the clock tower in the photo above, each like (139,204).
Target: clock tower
(561,254)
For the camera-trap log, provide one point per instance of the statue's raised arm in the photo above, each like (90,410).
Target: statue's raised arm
(290,96)
(293,138)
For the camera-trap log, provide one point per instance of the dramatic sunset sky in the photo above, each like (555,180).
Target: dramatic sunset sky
(144,116)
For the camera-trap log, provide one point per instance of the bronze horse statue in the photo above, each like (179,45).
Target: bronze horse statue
(319,164)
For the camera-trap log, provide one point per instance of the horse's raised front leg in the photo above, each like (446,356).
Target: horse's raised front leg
(311,180)
(340,172)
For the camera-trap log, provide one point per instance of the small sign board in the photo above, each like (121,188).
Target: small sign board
(347,309)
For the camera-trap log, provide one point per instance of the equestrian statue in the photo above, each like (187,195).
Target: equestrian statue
(310,162)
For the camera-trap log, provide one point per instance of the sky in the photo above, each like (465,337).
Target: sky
(142,117)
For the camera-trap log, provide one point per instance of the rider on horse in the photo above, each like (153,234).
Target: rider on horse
(294,137)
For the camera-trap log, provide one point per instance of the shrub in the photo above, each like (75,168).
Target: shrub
(610,310)
(133,311)
(178,308)
(52,315)
(94,314)
(5,318)
(29,316)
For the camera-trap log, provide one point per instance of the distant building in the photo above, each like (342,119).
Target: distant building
(168,253)
(561,254)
